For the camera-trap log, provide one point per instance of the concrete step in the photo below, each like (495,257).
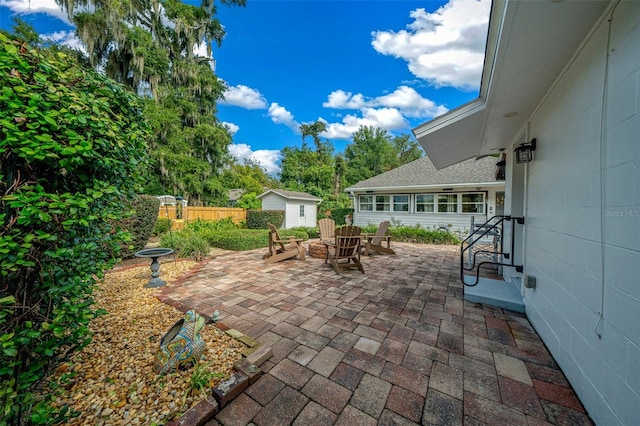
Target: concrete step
(498,293)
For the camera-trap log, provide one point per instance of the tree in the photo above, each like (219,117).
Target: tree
(373,151)
(72,147)
(150,47)
(308,170)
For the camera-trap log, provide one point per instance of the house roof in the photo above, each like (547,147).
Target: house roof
(421,173)
(291,195)
(528,45)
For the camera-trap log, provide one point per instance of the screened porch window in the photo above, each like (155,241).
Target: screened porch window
(400,203)
(366,203)
(447,203)
(472,203)
(383,203)
(424,203)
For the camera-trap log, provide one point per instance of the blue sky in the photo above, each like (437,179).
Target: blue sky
(389,64)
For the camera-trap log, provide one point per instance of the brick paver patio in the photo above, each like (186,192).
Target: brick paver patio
(397,345)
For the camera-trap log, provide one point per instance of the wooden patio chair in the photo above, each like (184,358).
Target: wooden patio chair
(374,242)
(281,249)
(327,229)
(344,253)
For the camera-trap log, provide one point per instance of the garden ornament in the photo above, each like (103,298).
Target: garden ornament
(181,345)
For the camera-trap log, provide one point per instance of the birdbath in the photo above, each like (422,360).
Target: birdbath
(154,254)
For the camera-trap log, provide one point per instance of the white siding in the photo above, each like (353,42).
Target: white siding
(586,253)
(459,222)
(291,208)
(273,202)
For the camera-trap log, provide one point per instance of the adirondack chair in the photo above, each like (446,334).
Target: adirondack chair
(327,229)
(281,249)
(344,253)
(374,242)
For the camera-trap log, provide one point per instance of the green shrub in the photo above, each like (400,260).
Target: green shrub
(416,234)
(248,239)
(303,231)
(163,225)
(239,239)
(258,219)
(72,144)
(187,243)
(338,214)
(144,214)
(200,225)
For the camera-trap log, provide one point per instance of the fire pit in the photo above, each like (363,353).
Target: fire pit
(154,254)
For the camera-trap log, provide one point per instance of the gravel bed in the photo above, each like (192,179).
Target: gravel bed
(113,381)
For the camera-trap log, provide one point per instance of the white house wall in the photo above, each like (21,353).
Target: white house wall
(583,221)
(460,222)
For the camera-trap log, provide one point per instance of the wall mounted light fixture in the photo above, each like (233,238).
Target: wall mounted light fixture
(524,152)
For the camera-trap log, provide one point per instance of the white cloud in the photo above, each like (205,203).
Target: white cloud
(231,127)
(445,47)
(266,158)
(386,118)
(409,102)
(65,38)
(340,99)
(245,97)
(280,115)
(24,7)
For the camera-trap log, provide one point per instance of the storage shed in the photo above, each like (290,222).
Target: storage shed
(300,208)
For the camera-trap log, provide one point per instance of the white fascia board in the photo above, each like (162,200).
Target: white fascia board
(415,188)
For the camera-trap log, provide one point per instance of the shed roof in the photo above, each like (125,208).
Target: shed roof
(291,195)
(422,173)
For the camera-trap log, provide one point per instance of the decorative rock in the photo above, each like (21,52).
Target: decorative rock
(226,390)
(200,414)
(262,354)
(248,369)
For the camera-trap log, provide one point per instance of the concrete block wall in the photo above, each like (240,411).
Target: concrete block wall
(583,244)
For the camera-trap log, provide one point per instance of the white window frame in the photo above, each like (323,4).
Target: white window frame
(383,200)
(426,204)
(446,196)
(480,205)
(368,202)
(301,210)
(458,205)
(395,203)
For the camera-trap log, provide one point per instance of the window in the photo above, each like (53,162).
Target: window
(424,203)
(400,203)
(383,203)
(301,210)
(366,203)
(447,203)
(472,203)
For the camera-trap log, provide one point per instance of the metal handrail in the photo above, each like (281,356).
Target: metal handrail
(475,236)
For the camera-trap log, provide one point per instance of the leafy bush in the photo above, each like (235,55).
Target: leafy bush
(338,215)
(187,243)
(163,225)
(72,145)
(144,214)
(200,225)
(416,234)
(258,219)
(239,239)
(308,232)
